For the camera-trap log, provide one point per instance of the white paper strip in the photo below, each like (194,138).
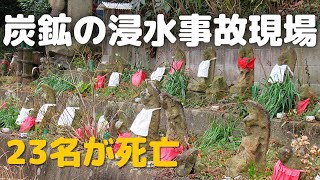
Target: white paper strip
(114,79)
(278,73)
(158,74)
(140,125)
(203,69)
(66,118)
(42,111)
(24,113)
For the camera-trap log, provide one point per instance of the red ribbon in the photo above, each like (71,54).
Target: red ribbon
(242,62)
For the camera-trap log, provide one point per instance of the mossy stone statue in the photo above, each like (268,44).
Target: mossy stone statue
(246,79)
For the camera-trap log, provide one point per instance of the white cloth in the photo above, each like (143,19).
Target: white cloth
(278,73)
(102,122)
(140,125)
(67,116)
(158,74)
(42,111)
(203,70)
(114,79)
(24,113)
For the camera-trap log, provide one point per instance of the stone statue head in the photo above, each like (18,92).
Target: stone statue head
(288,57)
(48,95)
(73,101)
(179,55)
(28,102)
(209,53)
(246,51)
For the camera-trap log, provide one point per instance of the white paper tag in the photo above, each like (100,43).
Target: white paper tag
(158,74)
(203,69)
(42,111)
(278,73)
(140,125)
(114,79)
(24,113)
(67,116)
(102,122)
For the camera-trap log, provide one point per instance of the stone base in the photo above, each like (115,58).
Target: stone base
(242,91)
(216,93)
(197,85)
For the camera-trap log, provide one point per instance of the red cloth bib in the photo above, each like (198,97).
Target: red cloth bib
(242,62)
(281,172)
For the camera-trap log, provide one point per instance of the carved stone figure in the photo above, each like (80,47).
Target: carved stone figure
(254,145)
(306,92)
(48,97)
(186,162)
(246,66)
(200,84)
(74,101)
(288,57)
(5,64)
(29,104)
(151,100)
(218,89)
(176,120)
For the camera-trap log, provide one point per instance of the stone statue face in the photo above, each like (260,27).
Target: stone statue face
(28,103)
(73,101)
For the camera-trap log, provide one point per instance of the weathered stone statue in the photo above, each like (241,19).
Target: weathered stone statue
(176,120)
(5,63)
(200,84)
(74,101)
(218,88)
(186,162)
(151,100)
(254,145)
(29,104)
(292,158)
(57,7)
(246,61)
(48,110)
(288,57)
(306,92)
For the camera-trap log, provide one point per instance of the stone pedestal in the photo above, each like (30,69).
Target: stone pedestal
(218,88)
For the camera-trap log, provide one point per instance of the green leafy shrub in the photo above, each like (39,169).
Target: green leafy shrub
(84,87)
(279,97)
(8,116)
(34,7)
(58,83)
(176,84)
(219,135)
